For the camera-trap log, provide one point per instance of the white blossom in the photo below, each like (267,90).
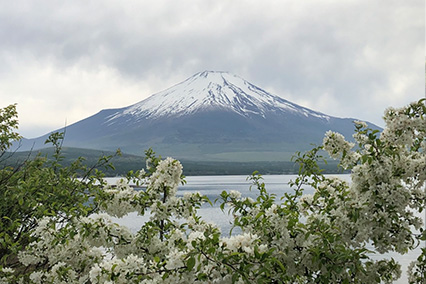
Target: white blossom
(235,194)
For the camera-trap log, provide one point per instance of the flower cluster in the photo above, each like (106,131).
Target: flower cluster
(117,199)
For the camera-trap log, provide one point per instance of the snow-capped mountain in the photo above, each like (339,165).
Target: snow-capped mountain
(209,116)
(210,90)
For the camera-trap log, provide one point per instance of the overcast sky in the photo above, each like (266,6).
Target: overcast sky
(62,61)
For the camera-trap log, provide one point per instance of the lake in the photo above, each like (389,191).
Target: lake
(212,186)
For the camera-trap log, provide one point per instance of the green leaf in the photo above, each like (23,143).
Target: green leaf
(202,276)
(235,277)
(279,264)
(190,263)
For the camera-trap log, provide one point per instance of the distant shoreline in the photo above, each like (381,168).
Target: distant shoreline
(126,163)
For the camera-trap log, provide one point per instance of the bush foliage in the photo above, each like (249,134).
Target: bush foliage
(56,222)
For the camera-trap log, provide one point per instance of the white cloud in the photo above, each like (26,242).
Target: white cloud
(50,96)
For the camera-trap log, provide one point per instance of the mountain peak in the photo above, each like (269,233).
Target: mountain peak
(215,76)
(207,73)
(212,90)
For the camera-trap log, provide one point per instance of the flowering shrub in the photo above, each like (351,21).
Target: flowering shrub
(35,190)
(327,237)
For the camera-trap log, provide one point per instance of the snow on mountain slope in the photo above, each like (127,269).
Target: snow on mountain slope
(209,89)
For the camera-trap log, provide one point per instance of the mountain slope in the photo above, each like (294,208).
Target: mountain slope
(210,116)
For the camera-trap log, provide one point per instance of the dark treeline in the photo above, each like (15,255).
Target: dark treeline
(124,163)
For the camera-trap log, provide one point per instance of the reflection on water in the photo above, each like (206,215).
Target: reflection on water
(212,186)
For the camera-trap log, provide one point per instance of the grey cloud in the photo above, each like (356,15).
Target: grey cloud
(348,49)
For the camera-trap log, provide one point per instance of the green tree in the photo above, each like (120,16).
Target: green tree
(8,127)
(37,188)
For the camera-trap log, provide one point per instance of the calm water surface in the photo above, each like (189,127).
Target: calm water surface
(212,186)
